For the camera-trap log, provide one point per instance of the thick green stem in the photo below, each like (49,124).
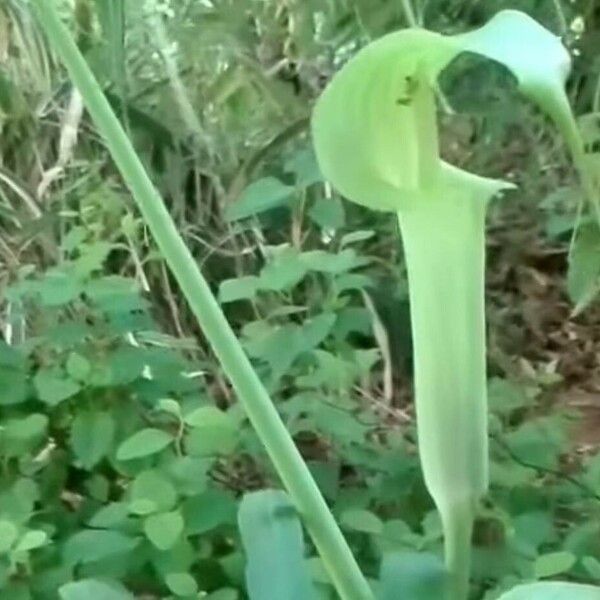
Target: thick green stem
(327,537)
(457,548)
(443,239)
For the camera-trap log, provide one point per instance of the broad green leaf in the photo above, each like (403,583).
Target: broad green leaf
(150,492)
(213,432)
(58,288)
(241,288)
(272,537)
(284,270)
(189,475)
(181,584)
(554,590)
(13,375)
(110,516)
(208,416)
(17,503)
(223,594)
(90,545)
(19,436)
(335,264)
(178,559)
(208,511)
(53,386)
(111,16)
(361,520)
(170,406)
(164,529)
(592,566)
(412,576)
(554,563)
(96,589)
(144,443)
(303,164)
(356,236)
(8,535)
(583,278)
(328,213)
(78,367)
(92,436)
(258,197)
(13,386)
(32,539)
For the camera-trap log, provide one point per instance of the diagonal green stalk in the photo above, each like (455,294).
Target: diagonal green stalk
(338,559)
(444,248)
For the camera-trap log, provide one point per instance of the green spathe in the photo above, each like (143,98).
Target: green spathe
(375,129)
(376,139)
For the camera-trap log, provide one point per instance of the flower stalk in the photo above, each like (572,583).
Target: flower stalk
(444,250)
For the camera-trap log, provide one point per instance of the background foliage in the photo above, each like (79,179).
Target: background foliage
(123,452)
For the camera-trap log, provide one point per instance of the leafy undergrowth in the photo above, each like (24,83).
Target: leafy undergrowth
(124,454)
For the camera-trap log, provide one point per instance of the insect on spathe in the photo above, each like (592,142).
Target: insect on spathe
(411,85)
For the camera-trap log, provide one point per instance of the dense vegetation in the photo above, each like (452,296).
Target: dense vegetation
(124,451)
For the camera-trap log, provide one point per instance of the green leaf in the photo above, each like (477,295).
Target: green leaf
(258,197)
(23,435)
(181,584)
(303,164)
(92,436)
(592,566)
(150,492)
(583,277)
(209,510)
(223,594)
(328,213)
(170,406)
(334,264)
(241,288)
(8,535)
(32,539)
(554,590)
(213,432)
(13,383)
(110,516)
(272,537)
(555,563)
(208,416)
(111,16)
(90,545)
(143,443)
(412,576)
(58,288)
(78,367)
(53,387)
(13,375)
(361,520)
(283,271)
(96,589)
(164,529)
(356,236)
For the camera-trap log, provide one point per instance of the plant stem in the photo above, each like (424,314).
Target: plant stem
(304,492)
(443,240)
(457,548)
